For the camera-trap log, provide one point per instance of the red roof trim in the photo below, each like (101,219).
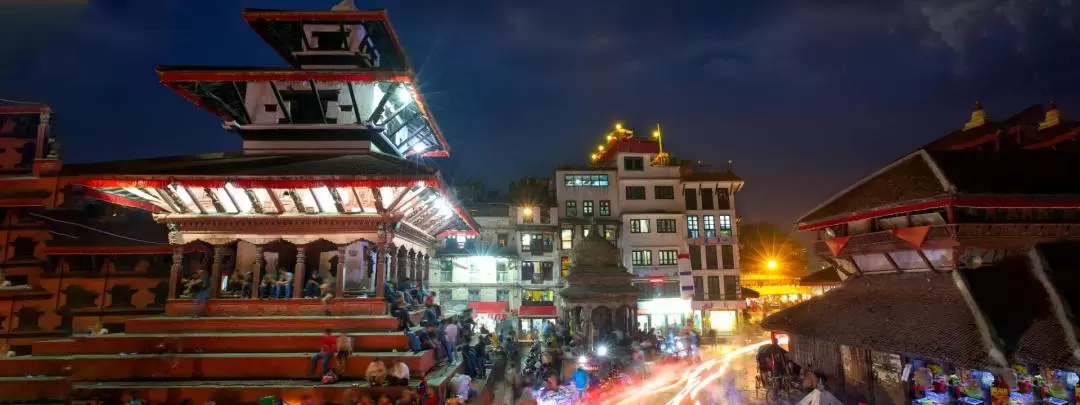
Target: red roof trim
(410,181)
(102,250)
(23,202)
(120,200)
(978,202)
(314,16)
(1054,140)
(23,109)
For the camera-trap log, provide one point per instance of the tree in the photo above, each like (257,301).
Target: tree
(531,191)
(762,243)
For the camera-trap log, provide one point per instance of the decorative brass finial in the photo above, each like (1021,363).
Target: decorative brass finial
(345,5)
(54,149)
(1053,117)
(978,117)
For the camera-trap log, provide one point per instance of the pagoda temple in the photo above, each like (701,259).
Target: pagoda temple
(328,194)
(959,274)
(599,298)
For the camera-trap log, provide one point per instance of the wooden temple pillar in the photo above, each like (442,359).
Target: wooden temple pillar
(402,263)
(256,281)
(381,256)
(215,271)
(174,271)
(427,271)
(299,275)
(412,266)
(339,281)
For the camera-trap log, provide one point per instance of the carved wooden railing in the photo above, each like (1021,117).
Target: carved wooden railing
(952,235)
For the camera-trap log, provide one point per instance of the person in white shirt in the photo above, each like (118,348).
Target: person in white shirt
(451,341)
(463,387)
(399,374)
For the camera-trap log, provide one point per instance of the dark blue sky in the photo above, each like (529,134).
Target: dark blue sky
(805,96)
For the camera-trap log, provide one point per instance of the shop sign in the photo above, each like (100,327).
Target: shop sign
(999,396)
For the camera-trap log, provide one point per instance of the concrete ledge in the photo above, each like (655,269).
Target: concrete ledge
(260,324)
(202,366)
(277,307)
(267,342)
(15,389)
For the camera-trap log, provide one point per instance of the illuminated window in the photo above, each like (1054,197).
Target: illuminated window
(587,208)
(641,257)
(710,225)
(639,225)
(571,208)
(692,226)
(725,225)
(526,242)
(605,208)
(566,239)
(668,257)
(665,226)
(585,180)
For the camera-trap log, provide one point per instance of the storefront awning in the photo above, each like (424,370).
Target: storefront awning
(750,293)
(537,311)
(485,307)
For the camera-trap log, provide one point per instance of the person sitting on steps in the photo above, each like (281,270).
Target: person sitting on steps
(399,374)
(283,288)
(326,352)
(376,372)
(344,350)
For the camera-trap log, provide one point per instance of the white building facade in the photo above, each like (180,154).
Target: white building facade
(656,211)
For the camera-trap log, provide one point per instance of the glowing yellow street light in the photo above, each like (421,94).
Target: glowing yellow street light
(618,126)
(610,137)
(600,147)
(771,264)
(593,156)
(527,211)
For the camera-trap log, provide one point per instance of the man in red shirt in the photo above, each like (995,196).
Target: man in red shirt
(329,346)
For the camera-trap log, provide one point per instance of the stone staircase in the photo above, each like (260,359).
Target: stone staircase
(230,355)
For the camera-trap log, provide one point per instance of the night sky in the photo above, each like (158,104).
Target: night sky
(805,96)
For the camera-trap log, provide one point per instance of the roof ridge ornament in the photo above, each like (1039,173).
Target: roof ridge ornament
(345,5)
(1053,116)
(978,117)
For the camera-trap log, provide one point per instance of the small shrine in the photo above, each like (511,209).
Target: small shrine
(599,298)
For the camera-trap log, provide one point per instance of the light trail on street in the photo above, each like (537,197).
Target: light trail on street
(683,384)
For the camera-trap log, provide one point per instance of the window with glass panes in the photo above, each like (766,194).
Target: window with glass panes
(502,273)
(664,192)
(502,295)
(709,224)
(566,239)
(665,226)
(474,294)
(587,208)
(586,180)
(635,192)
(692,226)
(641,257)
(725,225)
(639,225)
(668,257)
(632,163)
(605,208)
(571,208)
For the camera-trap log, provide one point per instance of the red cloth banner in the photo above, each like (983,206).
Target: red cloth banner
(837,244)
(913,236)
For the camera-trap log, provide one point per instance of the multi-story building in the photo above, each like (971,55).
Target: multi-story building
(656,209)
(480,272)
(537,224)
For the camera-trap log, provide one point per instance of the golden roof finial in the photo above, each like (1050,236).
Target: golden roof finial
(978,117)
(1053,116)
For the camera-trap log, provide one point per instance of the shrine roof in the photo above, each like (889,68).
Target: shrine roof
(825,277)
(373,164)
(222,90)
(969,137)
(283,30)
(1010,172)
(892,313)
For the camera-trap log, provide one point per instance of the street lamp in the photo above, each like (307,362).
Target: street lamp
(771,264)
(527,211)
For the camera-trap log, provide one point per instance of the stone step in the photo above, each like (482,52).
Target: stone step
(33,390)
(250,391)
(176,324)
(198,366)
(278,307)
(221,342)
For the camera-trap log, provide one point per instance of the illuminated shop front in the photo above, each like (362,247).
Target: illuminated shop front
(659,313)
(719,317)
(537,308)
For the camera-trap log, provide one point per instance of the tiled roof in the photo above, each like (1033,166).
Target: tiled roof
(237,164)
(906,180)
(1027,117)
(915,314)
(1010,172)
(828,276)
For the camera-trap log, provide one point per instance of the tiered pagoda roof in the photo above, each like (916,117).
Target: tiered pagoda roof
(1020,162)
